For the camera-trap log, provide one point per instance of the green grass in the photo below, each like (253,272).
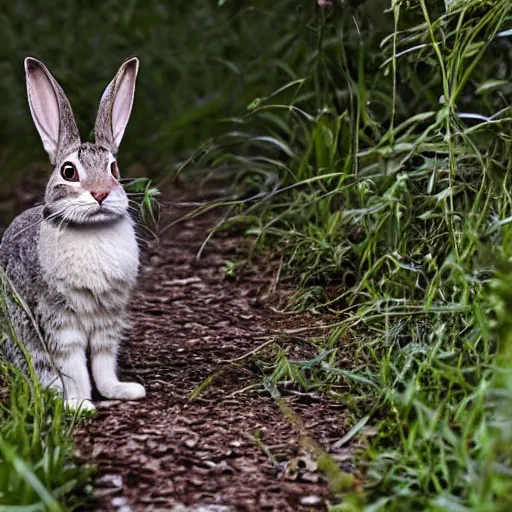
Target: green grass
(381,176)
(37,468)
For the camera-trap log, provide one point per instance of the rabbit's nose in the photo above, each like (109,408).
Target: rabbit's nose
(99,196)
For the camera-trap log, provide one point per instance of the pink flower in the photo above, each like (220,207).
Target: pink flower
(324,3)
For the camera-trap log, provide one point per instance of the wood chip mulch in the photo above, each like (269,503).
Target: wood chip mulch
(230,448)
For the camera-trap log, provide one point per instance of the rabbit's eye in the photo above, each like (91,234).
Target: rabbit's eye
(68,172)
(114,169)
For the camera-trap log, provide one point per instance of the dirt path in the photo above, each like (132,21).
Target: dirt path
(167,453)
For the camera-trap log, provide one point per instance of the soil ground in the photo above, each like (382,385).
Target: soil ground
(229,449)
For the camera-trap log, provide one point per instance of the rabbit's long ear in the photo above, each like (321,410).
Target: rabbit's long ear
(50,109)
(116,106)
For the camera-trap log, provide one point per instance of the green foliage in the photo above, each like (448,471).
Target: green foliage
(380,173)
(37,467)
(142,196)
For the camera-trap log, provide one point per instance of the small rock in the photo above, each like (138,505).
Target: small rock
(182,282)
(200,508)
(106,404)
(310,500)
(110,480)
(310,477)
(155,260)
(120,501)
(224,468)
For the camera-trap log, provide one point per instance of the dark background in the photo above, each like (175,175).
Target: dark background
(200,63)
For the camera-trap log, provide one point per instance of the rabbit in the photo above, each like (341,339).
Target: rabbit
(74,260)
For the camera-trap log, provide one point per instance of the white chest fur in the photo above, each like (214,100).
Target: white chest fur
(99,259)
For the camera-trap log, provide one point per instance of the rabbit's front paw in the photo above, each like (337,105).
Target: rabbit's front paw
(77,403)
(125,391)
